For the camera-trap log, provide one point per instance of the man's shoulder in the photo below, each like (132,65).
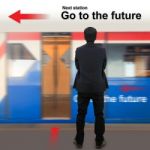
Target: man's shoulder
(101,48)
(99,45)
(81,47)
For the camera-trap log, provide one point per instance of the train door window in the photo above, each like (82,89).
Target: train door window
(56,86)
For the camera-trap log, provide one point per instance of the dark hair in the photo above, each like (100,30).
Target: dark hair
(90,34)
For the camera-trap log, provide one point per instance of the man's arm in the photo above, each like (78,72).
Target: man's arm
(76,60)
(104,67)
(77,67)
(105,60)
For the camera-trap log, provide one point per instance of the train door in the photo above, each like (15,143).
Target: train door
(56,75)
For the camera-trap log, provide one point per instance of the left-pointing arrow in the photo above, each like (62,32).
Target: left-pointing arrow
(17,16)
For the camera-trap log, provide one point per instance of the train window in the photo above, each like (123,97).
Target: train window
(18,51)
(18,56)
(130,60)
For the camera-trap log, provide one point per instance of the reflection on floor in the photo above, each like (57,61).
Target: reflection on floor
(53,106)
(38,138)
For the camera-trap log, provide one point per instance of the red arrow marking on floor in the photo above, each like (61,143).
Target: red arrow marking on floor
(54,132)
(17,16)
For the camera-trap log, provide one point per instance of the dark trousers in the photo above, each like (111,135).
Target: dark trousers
(98,104)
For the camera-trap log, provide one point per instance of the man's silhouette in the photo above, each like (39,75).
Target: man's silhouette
(90,82)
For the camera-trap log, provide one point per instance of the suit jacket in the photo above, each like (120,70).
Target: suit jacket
(90,61)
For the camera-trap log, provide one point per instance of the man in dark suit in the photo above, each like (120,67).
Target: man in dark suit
(90,82)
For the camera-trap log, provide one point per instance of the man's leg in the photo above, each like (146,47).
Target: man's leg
(83,101)
(98,104)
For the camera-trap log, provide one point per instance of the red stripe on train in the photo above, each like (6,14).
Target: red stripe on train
(2,49)
(23,36)
(115,36)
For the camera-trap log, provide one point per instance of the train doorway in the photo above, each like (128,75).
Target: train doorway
(56,75)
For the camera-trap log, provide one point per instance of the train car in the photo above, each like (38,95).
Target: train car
(37,74)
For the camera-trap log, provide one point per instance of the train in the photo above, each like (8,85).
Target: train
(37,72)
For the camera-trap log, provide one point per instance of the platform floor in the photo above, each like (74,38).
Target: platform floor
(38,137)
